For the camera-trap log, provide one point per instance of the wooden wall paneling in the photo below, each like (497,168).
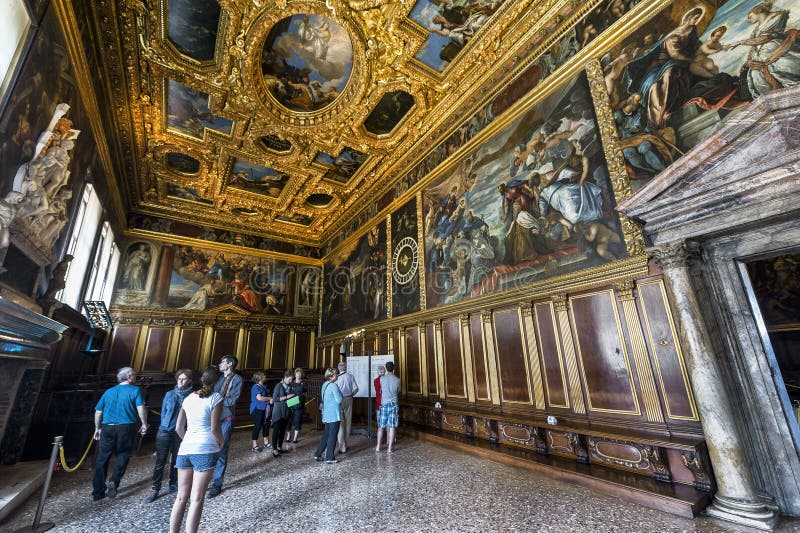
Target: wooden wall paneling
(268,354)
(570,358)
(513,371)
(172,356)
(641,359)
(467,361)
(290,349)
(439,351)
(396,341)
(190,341)
(256,350)
(302,349)
(429,349)
(476,342)
(156,349)
(414,369)
(555,377)
(490,348)
(280,348)
(453,369)
(603,359)
(382,346)
(673,378)
(225,341)
(532,355)
(138,356)
(123,347)
(208,344)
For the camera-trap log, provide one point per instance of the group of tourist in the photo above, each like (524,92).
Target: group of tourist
(196,426)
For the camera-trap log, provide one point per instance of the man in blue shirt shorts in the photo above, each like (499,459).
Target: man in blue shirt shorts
(115,428)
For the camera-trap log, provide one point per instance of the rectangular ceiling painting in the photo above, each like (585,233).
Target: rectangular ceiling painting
(533,201)
(188,112)
(257,178)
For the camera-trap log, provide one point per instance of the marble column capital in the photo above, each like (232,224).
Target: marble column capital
(681,254)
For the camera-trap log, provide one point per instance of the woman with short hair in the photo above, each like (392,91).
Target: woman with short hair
(280,413)
(259,405)
(298,387)
(200,428)
(331,398)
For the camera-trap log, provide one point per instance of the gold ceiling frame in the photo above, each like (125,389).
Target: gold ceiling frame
(159,162)
(218,246)
(282,201)
(170,49)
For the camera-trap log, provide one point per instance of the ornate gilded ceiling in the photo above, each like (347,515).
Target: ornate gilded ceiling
(287,119)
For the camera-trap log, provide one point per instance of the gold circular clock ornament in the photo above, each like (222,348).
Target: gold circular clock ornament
(405,260)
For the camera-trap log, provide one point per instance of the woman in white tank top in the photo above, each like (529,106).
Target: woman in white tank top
(200,428)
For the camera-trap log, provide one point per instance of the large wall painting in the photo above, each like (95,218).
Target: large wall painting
(451,25)
(136,274)
(257,178)
(533,201)
(685,73)
(189,114)
(355,282)
(405,260)
(309,290)
(306,61)
(193,27)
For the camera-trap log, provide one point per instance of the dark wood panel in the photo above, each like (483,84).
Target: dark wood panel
(670,372)
(478,356)
(156,349)
(369,344)
(413,372)
(383,342)
(224,343)
(256,349)
(550,350)
(122,347)
(430,357)
(511,356)
(302,347)
(453,361)
(602,354)
(280,345)
(189,348)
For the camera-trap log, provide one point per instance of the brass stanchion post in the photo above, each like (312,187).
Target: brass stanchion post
(38,525)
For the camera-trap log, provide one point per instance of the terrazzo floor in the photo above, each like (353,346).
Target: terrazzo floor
(420,487)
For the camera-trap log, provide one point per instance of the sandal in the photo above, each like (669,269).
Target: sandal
(275,454)
(257,449)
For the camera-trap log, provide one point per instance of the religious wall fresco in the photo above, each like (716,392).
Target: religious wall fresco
(187,193)
(355,282)
(451,25)
(388,113)
(309,290)
(342,167)
(306,61)
(257,178)
(405,260)
(173,227)
(136,274)
(687,71)
(189,114)
(193,27)
(533,201)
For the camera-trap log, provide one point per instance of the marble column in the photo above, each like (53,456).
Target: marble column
(736,499)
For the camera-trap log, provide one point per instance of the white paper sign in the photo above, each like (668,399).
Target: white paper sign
(359,367)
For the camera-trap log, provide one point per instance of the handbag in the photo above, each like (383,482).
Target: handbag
(293,401)
(321,398)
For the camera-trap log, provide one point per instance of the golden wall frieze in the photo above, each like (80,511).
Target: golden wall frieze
(137,315)
(597,277)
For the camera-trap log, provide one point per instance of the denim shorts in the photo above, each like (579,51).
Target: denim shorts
(200,462)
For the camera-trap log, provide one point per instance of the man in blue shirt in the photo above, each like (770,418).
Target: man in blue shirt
(167,440)
(115,429)
(230,387)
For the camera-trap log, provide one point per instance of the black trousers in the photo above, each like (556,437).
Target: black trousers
(114,439)
(167,445)
(278,432)
(328,441)
(259,421)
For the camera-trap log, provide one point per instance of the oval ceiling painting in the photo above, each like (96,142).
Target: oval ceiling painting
(306,62)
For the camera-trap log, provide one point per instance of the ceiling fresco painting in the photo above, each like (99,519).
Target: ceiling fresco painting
(343,166)
(188,112)
(306,61)
(275,143)
(187,193)
(664,108)
(451,25)
(296,218)
(182,163)
(257,178)
(390,110)
(533,201)
(193,27)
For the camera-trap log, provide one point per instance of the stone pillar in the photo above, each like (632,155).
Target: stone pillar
(736,499)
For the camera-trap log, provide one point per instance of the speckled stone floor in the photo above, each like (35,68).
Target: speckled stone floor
(420,487)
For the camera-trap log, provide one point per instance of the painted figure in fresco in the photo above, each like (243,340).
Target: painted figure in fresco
(308,288)
(523,241)
(461,32)
(641,147)
(314,38)
(662,74)
(244,296)
(135,272)
(774,58)
(702,65)
(598,236)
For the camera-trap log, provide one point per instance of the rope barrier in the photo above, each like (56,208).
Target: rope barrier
(64,459)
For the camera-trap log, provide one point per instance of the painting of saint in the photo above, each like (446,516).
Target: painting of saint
(671,89)
(257,178)
(136,268)
(343,166)
(355,282)
(187,193)
(306,61)
(308,290)
(188,112)
(532,202)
